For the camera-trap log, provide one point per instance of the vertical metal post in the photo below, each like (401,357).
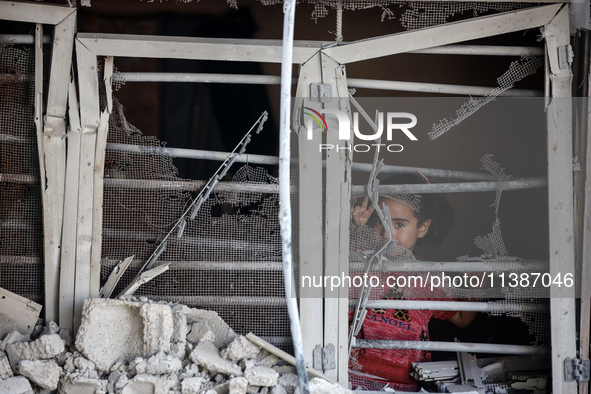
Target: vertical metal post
(560,199)
(284,191)
(337,208)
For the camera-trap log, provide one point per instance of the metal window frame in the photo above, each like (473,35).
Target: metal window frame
(51,129)
(320,62)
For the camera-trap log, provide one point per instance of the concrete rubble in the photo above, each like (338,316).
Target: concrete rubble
(136,346)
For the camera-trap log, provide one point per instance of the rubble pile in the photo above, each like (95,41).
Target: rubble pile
(135,346)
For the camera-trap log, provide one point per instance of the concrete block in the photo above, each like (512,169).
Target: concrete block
(158,328)
(44,348)
(142,384)
(16,385)
(45,374)
(76,384)
(222,332)
(118,330)
(191,385)
(240,349)
(200,331)
(5,369)
(261,376)
(207,355)
(238,385)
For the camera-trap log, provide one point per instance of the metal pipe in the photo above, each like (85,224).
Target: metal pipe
(285,191)
(210,265)
(153,184)
(482,50)
(456,306)
(529,183)
(450,346)
(455,266)
(212,301)
(424,87)
(23,38)
(274,160)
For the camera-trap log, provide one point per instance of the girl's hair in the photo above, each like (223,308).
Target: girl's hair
(431,206)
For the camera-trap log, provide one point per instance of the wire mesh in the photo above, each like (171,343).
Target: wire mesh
(21,236)
(229,256)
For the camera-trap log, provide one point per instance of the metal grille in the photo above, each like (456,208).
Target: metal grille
(228,258)
(21,231)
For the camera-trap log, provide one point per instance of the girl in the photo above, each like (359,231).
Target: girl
(415,219)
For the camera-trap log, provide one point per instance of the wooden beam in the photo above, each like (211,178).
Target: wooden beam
(448,33)
(34,12)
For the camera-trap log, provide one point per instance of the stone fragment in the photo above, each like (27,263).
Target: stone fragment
(191,385)
(44,348)
(222,332)
(158,328)
(14,337)
(321,386)
(240,349)
(159,364)
(77,384)
(278,389)
(208,356)
(16,385)
(261,376)
(5,369)
(238,385)
(289,381)
(142,384)
(45,374)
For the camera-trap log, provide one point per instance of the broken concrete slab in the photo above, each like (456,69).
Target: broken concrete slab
(289,381)
(141,330)
(45,374)
(192,385)
(16,385)
(261,376)
(14,337)
(5,369)
(238,385)
(143,383)
(45,347)
(159,364)
(158,328)
(222,332)
(78,384)
(240,349)
(207,355)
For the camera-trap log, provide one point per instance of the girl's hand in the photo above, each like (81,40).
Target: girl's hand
(360,214)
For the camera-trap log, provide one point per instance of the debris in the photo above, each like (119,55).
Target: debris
(16,385)
(261,376)
(207,355)
(5,370)
(46,347)
(77,384)
(45,374)
(238,385)
(209,321)
(142,383)
(114,278)
(18,311)
(240,349)
(191,385)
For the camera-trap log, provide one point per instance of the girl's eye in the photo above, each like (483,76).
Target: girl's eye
(398,224)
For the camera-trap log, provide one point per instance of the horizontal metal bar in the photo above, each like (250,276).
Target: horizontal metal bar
(16,78)
(274,160)
(150,184)
(431,346)
(530,183)
(456,306)
(211,301)
(9,259)
(195,48)
(404,86)
(455,266)
(482,50)
(439,88)
(34,12)
(19,178)
(23,38)
(211,265)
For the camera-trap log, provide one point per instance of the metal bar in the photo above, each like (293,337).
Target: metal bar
(148,184)
(15,78)
(482,50)
(213,301)
(455,266)
(34,12)
(23,39)
(431,346)
(193,48)
(274,160)
(530,183)
(456,306)
(211,265)
(447,33)
(424,87)
(287,58)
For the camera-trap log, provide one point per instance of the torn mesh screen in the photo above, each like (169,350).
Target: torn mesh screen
(229,257)
(21,231)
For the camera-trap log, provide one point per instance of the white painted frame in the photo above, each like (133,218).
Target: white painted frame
(52,148)
(553,17)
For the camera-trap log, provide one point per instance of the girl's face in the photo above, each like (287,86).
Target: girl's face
(405,226)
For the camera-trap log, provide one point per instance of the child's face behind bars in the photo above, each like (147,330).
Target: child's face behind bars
(406,228)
